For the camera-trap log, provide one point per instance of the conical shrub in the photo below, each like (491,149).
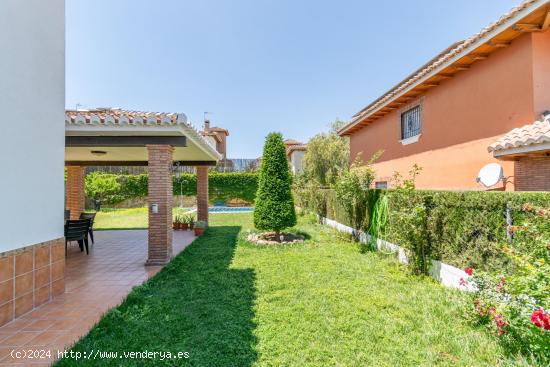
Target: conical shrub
(274,206)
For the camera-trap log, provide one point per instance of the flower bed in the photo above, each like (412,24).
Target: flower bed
(516,307)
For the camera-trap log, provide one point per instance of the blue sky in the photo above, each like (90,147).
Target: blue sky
(258,66)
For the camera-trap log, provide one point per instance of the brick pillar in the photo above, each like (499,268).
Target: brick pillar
(74,190)
(202,193)
(160,194)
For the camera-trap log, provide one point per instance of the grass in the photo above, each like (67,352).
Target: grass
(135,218)
(319,303)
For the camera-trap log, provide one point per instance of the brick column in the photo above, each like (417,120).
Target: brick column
(202,193)
(74,190)
(160,194)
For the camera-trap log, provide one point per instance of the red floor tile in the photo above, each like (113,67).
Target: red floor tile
(93,284)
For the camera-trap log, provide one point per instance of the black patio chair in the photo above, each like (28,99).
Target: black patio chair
(91,217)
(77,230)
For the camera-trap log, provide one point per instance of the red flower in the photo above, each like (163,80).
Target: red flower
(501,324)
(500,285)
(541,319)
(469,271)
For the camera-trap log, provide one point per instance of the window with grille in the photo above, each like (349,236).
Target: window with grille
(410,123)
(381,184)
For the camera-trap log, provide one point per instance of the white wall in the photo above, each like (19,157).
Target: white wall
(32,105)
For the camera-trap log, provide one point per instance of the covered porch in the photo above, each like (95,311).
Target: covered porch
(107,136)
(118,260)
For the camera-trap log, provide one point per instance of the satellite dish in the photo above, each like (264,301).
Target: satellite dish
(490,174)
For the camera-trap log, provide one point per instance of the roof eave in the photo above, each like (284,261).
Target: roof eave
(525,149)
(360,117)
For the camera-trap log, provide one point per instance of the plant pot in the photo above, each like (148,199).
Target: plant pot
(191,226)
(198,231)
(175,226)
(185,226)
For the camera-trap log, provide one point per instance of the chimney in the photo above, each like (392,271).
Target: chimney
(206,125)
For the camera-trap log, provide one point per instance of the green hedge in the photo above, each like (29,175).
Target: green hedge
(459,228)
(113,188)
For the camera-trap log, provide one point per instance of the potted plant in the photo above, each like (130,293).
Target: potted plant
(200,226)
(185,222)
(175,223)
(191,221)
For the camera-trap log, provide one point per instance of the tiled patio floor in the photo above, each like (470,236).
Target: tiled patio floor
(94,283)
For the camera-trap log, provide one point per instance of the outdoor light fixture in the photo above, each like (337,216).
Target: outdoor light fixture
(98,153)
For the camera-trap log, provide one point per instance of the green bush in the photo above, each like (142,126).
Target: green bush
(274,209)
(106,188)
(113,188)
(464,229)
(515,307)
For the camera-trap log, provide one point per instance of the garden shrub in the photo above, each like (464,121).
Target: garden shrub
(106,188)
(459,228)
(516,307)
(222,187)
(274,209)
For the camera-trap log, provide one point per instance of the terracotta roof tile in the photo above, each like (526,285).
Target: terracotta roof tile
(532,134)
(116,117)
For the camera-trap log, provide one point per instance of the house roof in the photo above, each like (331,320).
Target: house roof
(529,16)
(291,148)
(117,122)
(528,138)
(218,129)
(291,142)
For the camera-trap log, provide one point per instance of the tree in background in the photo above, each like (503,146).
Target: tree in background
(327,156)
(274,210)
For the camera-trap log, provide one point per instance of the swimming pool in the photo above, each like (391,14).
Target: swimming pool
(230,209)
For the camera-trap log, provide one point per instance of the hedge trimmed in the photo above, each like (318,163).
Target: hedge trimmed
(113,188)
(459,228)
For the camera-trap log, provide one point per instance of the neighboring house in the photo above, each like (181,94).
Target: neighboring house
(446,115)
(216,136)
(295,152)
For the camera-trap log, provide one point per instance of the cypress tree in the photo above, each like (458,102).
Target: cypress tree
(274,206)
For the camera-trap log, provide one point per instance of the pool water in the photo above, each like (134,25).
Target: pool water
(230,209)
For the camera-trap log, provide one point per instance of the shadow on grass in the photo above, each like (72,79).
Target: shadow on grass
(196,304)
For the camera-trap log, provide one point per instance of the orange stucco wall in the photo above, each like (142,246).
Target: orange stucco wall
(460,118)
(541,71)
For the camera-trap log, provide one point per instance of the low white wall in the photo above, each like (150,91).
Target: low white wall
(447,275)
(32,109)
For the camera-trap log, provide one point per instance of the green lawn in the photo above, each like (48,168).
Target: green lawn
(135,218)
(320,303)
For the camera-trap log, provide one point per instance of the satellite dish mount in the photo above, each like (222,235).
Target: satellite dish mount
(490,175)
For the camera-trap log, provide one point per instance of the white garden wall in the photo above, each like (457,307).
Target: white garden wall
(32,107)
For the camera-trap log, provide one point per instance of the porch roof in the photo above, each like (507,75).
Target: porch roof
(112,136)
